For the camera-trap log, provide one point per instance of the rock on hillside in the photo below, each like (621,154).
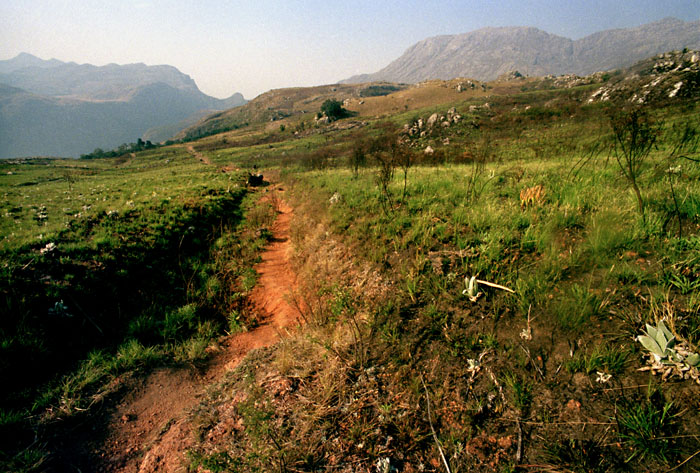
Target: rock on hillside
(490,52)
(669,76)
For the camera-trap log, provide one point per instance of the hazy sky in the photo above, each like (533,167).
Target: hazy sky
(256,45)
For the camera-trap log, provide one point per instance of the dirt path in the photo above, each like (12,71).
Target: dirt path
(148,429)
(198,155)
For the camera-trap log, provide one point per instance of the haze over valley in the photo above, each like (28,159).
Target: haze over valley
(53,108)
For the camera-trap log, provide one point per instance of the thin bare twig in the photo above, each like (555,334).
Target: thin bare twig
(497,286)
(531,422)
(432,429)
(537,368)
(627,387)
(683,462)
(519,453)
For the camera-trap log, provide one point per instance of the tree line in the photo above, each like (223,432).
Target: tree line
(121,150)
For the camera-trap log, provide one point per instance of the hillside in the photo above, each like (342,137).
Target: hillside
(297,107)
(292,103)
(66,109)
(490,52)
(469,276)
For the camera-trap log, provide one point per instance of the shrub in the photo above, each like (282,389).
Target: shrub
(635,134)
(334,110)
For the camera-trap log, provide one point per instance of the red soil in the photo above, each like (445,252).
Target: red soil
(148,430)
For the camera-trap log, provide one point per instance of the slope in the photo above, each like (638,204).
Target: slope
(489,52)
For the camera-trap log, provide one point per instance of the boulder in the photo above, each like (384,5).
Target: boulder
(432,120)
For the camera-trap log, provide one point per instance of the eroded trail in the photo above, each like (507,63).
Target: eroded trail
(148,430)
(196,154)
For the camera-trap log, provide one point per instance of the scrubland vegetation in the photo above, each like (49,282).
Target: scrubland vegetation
(473,296)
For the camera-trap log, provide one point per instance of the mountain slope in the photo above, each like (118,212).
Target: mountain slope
(24,60)
(489,52)
(66,109)
(110,82)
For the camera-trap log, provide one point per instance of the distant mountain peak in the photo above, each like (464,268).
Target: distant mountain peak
(58,108)
(486,53)
(26,60)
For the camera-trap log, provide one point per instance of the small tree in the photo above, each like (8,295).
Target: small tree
(390,152)
(358,158)
(382,150)
(333,109)
(685,145)
(405,158)
(635,134)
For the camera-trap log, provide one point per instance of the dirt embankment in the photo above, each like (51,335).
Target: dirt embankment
(148,430)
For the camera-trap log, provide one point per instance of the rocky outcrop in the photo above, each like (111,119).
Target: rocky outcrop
(422,128)
(669,76)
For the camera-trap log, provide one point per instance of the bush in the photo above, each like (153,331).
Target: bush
(334,110)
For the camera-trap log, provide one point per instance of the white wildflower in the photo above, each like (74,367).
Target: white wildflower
(48,248)
(383,465)
(602,377)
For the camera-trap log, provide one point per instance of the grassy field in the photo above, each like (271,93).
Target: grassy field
(488,295)
(112,267)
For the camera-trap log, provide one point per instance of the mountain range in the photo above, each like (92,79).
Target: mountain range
(487,53)
(50,107)
(67,109)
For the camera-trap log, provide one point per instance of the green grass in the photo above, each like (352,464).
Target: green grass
(578,262)
(605,357)
(83,289)
(648,428)
(382,274)
(520,391)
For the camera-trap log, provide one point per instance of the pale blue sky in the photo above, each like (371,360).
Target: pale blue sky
(257,45)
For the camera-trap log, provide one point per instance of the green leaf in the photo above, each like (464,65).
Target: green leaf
(661,341)
(651,345)
(693,360)
(661,326)
(675,357)
(653,332)
(664,343)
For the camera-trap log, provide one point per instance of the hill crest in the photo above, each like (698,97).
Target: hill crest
(487,53)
